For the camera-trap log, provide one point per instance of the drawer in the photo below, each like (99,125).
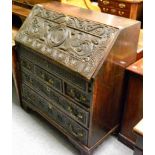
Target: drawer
(54,69)
(123,5)
(50,79)
(60,118)
(106,3)
(27,65)
(58,100)
(77,95)
(123,13)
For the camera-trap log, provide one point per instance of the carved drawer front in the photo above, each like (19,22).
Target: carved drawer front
(50,79)
(32,82)
(68,124)
(27,65)
(77,95)
(54,69)
(29,96)
(58,100)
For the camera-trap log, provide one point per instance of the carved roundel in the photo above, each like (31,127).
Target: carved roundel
(57,35)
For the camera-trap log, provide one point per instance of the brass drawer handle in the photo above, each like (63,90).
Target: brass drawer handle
(121,13)
(69,109)
(122,5)
(113,10)
(48,89)
(79,134)
(51,81)
(106,2)
(83,98)
(80,116)
(43,75)
(50,106)
(31,82)
(72,92)
(105,9)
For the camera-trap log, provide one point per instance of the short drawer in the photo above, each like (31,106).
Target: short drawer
(105,3)
(50,79)
(123,5)
(58,100)
(26,64)
(60,118)
(123,13)
(77,95)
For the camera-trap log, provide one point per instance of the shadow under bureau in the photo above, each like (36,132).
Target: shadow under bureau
(70,63)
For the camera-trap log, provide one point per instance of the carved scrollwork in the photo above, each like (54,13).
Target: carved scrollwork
(71,41)
(57,35)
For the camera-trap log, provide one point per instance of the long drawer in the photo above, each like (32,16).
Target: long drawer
(61,119)
(57,99)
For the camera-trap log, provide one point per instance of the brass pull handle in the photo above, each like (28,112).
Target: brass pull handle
(43,75)
(31,81)
(106,2)
(105,9)
(79,134)
(72,92)
(69,109)
(122,5)
(113,10)
(50,106)
(80,116)
(121,13)
(83,98)
(51,81)
(48,89)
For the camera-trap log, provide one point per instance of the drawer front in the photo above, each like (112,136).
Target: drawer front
(54,69)
(50,79)
(106,3)
(61,119)
(123,13)
(124,6)
(58,100)
(77,95)
(27,65)
(115,11)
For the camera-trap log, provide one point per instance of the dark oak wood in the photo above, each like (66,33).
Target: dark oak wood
(84,106)
(133,102)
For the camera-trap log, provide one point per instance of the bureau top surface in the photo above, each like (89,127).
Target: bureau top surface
(77,43)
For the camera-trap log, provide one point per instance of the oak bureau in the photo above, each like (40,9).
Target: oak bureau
(70,62)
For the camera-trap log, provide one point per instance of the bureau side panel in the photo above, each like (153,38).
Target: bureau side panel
(106,102)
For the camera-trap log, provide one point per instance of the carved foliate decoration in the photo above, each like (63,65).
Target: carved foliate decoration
(73,42)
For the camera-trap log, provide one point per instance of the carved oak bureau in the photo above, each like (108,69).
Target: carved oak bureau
(70,62)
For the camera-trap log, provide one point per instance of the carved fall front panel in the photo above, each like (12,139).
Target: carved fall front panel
(73,42)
